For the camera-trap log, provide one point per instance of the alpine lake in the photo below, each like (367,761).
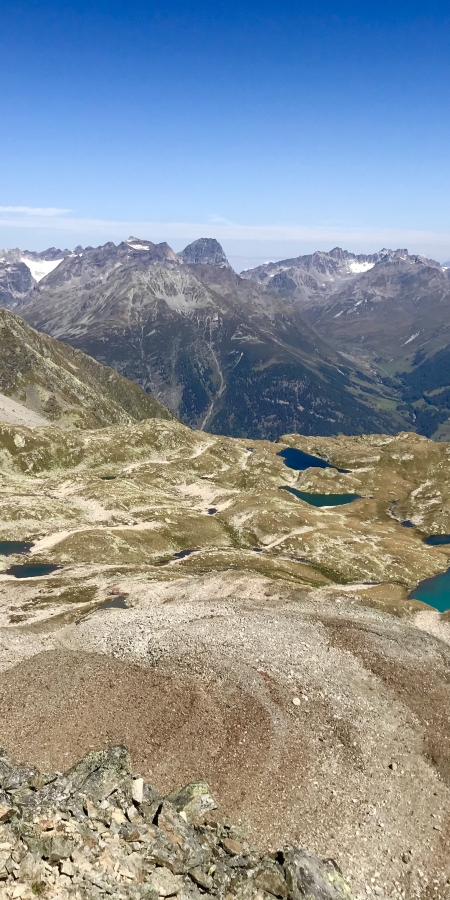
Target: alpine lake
(434,591)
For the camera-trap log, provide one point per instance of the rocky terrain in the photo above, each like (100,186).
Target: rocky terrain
(96,830)
(227,630)
(43,381)
(222,353)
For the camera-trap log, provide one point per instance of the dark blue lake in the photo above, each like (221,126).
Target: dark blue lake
(435,540)
(322,499)
(434,591)
(31,570)
(9,548)
(298,460)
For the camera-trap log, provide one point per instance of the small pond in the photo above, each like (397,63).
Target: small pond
(9,548)
(298,460)
(115,603)
(212,511)
(322,499)
(31,570)
(434,591)
(179,555)
(405,522)
(435,540)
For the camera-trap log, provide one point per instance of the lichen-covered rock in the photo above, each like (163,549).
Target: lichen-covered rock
(270,878)
(313,878)
(101,772)
(88,833)
(193,801)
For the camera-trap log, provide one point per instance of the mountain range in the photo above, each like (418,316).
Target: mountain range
(221,352)
(389,310)
(320,344)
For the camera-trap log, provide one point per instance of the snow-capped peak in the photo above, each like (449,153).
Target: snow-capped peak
(137,244)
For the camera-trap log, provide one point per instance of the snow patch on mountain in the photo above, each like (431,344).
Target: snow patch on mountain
(39,268)
(358,267)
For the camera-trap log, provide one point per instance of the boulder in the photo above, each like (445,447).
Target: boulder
(316,879)
(193,800)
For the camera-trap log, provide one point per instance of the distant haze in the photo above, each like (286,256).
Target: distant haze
(242,252)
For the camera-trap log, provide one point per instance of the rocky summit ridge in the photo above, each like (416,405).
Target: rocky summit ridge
(97,831)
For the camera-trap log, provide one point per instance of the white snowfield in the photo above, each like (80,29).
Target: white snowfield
(358,267)
(138,245)
(39,268)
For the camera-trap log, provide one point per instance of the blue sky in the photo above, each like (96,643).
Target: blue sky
(277,128)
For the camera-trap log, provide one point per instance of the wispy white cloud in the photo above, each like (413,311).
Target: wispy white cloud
(319,235)
(218,220)
(35,210)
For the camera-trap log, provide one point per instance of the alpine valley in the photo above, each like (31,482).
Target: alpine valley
(224,353)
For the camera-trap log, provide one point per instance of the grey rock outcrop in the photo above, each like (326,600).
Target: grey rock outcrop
(15,282)
(204,252)
(96,830)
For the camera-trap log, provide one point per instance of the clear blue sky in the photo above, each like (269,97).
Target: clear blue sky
(276,127)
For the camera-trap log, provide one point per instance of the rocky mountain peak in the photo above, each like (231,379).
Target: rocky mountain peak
(204,252)
(339,253)
(159,252)
(138,244)
(51,253)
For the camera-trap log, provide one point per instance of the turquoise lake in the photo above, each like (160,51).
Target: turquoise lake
(434,591)
(322,499)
